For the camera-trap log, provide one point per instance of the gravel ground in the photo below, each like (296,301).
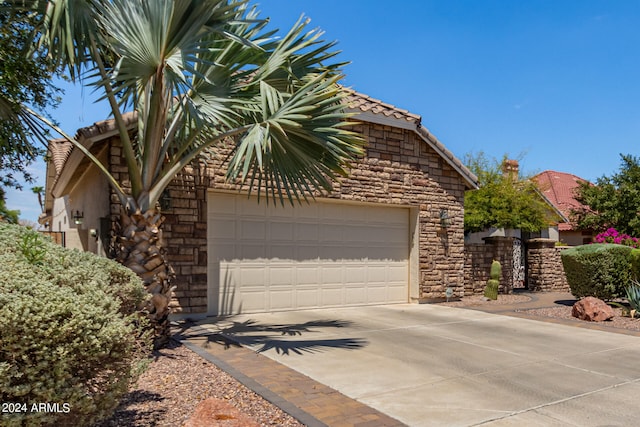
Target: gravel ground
(558,312)
(562,312)
(178,379)
(475,300)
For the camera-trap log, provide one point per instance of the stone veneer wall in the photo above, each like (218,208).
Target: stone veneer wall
(477,266)
(545,272)
(399,168)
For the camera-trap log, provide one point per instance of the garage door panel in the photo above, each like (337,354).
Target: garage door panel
(249,276)
(331,275)
(318,255)
(248,251)
(355,295)
(355,274)
(282,252)
(280,298)
(255,301)
(226,229)
(307,252)
(377,294)
(331,296)
(307,274)
(281,231)
(281,275)
(307,233)
(396,273)
(331,252)
(376,274)
(396,293)
(253,229)
(331,233)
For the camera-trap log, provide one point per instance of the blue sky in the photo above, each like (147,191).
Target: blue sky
(555,80)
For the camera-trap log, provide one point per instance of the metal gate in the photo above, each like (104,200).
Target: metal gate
(518,264)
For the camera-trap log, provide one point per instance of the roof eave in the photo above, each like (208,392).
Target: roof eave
(88,137)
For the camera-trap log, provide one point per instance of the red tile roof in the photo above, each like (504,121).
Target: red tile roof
(559,188)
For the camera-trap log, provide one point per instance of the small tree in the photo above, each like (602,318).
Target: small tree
(614,202)
(7,215)
(504,199)
(24,79)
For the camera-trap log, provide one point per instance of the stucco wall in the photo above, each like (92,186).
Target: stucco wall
(399,168)
(89,197)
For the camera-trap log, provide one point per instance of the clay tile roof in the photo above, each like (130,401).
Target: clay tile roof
(558,188)
(105,126)
(394,116)
(365,103)
(59,150)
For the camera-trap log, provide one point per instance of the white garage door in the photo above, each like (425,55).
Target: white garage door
(273,258)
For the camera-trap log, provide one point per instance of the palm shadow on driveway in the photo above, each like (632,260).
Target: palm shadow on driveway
(284,339)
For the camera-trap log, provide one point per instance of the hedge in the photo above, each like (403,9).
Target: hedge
(634,257)
(601,270)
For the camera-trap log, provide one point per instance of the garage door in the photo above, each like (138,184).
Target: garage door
(324,254)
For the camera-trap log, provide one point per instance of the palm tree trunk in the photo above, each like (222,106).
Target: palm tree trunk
(140,247)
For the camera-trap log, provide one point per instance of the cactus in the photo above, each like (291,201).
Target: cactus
(496,270)
(491,290)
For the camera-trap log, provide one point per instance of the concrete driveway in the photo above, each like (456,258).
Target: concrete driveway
(428,365)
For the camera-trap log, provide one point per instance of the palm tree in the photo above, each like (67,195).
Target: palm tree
(39,191)
(200,75)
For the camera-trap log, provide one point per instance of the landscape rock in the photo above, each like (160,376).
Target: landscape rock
(592,309)
(215,412)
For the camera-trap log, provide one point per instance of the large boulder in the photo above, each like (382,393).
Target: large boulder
(215,412)
(592,309)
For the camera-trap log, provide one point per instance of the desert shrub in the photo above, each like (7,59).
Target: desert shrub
(601,270)
(633,295)
(70,333)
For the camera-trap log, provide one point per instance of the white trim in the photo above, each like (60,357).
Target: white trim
(69,168)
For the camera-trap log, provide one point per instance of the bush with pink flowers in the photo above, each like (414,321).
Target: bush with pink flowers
(613,236)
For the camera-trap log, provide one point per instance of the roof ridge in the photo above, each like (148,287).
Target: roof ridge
(367,103)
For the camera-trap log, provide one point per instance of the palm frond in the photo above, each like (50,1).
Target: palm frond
(301,141)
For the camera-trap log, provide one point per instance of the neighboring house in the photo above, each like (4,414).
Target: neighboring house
(390,232)
(559,189)
(511,168)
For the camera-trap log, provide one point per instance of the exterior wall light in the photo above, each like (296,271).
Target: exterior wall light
(78,217)
(445,219)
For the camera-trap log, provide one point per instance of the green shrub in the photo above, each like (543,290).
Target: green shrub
(70,333)
(601,270)
(634,257)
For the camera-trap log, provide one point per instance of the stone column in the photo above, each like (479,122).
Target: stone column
(544,267)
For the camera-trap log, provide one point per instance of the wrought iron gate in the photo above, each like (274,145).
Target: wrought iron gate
(518,264)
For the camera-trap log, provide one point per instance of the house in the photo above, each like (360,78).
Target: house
(511,169)
(390,232)
(559,189)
